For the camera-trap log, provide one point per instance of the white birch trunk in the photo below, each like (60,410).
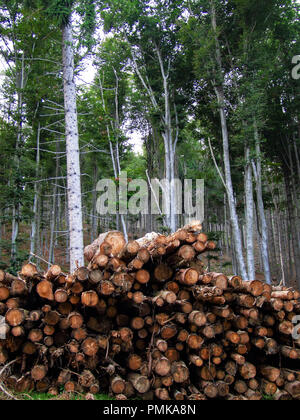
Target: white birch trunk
(16,207)
(93,216)
(118,164)
(170,147)
(34,224)
(73,155)
(249,215)
(52,228)
(265,253)
(115,159)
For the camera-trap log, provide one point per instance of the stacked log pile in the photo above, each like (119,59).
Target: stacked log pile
(145,319)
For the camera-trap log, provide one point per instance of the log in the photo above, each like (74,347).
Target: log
(6,278)
(15,331)
(210,390)
(282,396)
(197,318)
(53,272)
(240,387)
(293,388)
(89,298)
(180,372)
(4,293)
(168,331)
(137,323)
(194,341)
(29,270)
(196,360)
(35,335)
(52,318)
(15,317)
(134,362)
(29,348)
(45,290)
(38,372)
(270,373)
(219,280)
(75,320)
(163,273)
(290,353)
(61,296)
(187,253)
(18,288)
(140,383)
(188,277)
(142,276)
(162,366)
(113,239)
(268,388)
(106,288)
(248,371)
(96,276)
(162,394)
(283,295)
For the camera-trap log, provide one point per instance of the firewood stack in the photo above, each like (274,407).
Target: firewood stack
(145,319)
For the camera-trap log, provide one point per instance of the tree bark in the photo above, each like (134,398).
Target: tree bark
(72,147)
(249,215)
(35,221)
(264,243)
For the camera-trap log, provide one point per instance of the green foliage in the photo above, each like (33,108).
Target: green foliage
(60,10)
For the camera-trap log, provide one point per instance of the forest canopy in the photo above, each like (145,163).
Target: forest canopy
(211,90)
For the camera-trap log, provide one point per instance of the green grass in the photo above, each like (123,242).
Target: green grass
(64,396)
(267,397)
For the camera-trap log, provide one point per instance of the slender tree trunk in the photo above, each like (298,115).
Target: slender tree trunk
(258,237)
(264,238)
(280,244)
(94,218)
(73,155)
(35,221)
(16,205)
(52,227)
(115,154)
(288,245)
(229,187)
(53,214)
(297,157)
(117,129)
(249,215)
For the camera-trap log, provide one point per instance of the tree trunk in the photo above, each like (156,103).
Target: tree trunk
(170,148)
(94,216)
(229,187)
(35,221)
(72,147)
(16,204)
(264,242)
(249,215)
